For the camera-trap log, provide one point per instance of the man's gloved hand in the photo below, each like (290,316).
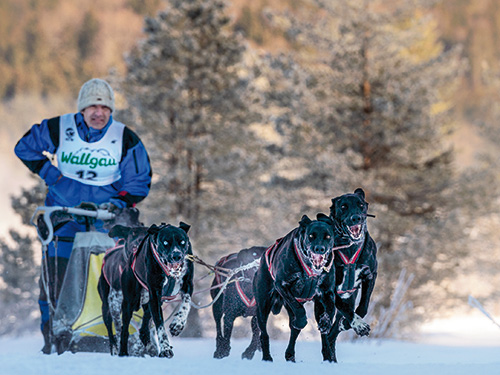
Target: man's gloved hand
(86,220)
(110,207)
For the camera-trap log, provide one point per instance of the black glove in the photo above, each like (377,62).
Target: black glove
(86,220)
(110,207)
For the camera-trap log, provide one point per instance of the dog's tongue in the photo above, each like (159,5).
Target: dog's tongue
(317,260)
(355,230)
(175,268)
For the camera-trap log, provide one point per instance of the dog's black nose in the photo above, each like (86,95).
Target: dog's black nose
(356,219)
(319,249)
(176,256)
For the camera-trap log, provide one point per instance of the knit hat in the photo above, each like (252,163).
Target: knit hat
(96,92)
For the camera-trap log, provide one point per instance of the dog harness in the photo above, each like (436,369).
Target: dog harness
(109,269)
(270,255)
(249,302)
(139,267)
(350,268)
(272,251)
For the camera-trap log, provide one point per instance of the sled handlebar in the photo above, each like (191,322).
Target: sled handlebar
(47,211)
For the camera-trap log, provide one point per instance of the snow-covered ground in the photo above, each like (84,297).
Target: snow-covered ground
(467,345)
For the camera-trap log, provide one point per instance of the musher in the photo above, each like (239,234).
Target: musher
(99,160)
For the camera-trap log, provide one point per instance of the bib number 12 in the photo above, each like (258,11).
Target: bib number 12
(86,175)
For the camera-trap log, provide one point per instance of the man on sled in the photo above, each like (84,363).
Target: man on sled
(100,163)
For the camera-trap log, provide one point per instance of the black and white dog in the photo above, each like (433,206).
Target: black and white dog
(355,264)
(109,285)
(236,300)
(159,268)
(296,269)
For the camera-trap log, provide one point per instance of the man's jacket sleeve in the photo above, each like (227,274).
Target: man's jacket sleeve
(41,137)
(135,169)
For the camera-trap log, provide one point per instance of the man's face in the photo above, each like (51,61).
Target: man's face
(96,116)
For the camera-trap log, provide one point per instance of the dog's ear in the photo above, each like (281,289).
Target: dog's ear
(138,231)
(305,221)
(134,216)
(332,207)
(119,231)
(245,256)
(324,218)
(185,227)
(153,229)
(360,192)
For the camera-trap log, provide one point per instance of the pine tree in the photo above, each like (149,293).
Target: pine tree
(19,268)
(381,80)
(186,96)
(191,108)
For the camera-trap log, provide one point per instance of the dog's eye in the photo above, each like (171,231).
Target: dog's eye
(328,237)
(165,243)
(183,242)
(343,207)
(311,236)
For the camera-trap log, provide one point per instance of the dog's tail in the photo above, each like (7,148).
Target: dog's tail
(277,303)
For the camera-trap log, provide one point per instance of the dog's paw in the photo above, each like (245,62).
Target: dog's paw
(176,327)
(267,357)
(299,322)
(324,324)
(167,353)
(248,354)
(151,349)
(221,353)
(360,326)
(344,325)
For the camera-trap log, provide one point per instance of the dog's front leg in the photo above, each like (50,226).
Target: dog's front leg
(180,317)
(157,315)
(366,291)
(299,320)
(324,310)
(354,320)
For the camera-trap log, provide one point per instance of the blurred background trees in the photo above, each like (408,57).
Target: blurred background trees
(254,114)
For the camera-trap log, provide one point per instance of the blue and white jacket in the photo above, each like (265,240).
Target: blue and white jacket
(135,168)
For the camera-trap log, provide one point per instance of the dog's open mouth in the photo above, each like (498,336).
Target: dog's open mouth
(175,269)
(355,231)
(318,261)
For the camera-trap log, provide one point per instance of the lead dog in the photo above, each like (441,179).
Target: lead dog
(236,300)
(296,269)
(158,268)
(355,264)
(109,285)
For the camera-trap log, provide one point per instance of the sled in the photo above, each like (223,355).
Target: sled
(76,322)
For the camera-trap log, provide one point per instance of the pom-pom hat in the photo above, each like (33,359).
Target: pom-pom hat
(96,92)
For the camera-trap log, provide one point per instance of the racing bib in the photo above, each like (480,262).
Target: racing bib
(94,163)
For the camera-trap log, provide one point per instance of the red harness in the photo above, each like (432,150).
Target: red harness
(270,255)
(354,258)
(139,261)
(119,246)
(241,293)
(247,301)
(349,263)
